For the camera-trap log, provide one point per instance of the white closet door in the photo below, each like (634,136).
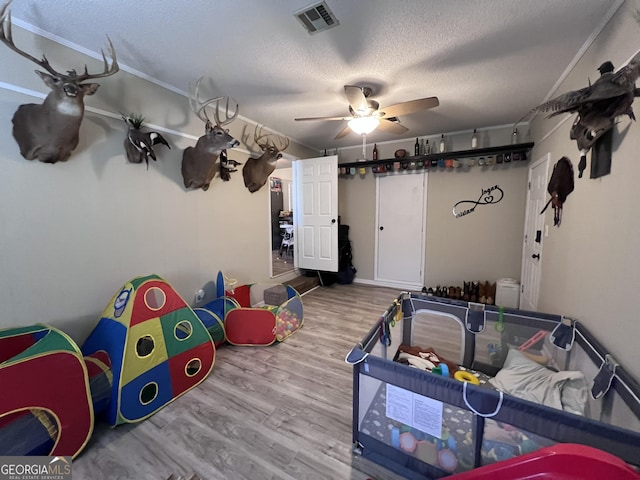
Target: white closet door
(400,232)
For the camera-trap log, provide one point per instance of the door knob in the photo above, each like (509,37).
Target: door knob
(381,228)
(333,220)
(536,255)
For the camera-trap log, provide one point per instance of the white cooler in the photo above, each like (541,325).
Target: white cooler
(508,293)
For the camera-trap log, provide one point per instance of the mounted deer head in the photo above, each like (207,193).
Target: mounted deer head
(257,170)
(49,132)
(139,144)
(199,162)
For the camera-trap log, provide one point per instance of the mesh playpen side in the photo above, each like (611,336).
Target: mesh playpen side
(419,424)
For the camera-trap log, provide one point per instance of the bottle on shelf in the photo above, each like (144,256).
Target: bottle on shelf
(427,147)
(514,136)
(416,148)
(374,155)
(442,144)
(474,139)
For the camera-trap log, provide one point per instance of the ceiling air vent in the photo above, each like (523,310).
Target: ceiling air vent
(316,18)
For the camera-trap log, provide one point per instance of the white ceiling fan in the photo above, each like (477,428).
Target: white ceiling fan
(366,114)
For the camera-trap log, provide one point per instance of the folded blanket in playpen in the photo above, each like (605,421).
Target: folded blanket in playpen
(520,376)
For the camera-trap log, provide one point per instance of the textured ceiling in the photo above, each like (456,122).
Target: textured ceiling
(488,61)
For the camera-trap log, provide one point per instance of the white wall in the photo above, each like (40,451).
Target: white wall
(72,233)
(590,265)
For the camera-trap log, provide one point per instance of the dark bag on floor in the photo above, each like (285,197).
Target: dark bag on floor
(346,270)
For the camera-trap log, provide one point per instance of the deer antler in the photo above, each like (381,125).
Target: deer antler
(258,136)
(199,106)
(6,36)
(228,119)
(108,70)
(285,144)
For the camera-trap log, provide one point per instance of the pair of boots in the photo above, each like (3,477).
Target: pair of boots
(470,291)
(487,293)
(455,293)
(445,292)
(481,292)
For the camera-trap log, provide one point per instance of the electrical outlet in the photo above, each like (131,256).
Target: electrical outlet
(199,296)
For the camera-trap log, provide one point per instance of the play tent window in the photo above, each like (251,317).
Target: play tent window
(144,346)
(148,393)
(183,330)
(39,429)
(155,298)
(193,367)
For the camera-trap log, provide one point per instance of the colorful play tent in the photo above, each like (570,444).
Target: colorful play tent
(154,345)
(45,402)
(267,313)
(213,315)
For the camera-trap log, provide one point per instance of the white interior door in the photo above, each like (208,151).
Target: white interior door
(316,213)
(534,231)
(400,232)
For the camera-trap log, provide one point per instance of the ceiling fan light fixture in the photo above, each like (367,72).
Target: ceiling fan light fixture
(364,125)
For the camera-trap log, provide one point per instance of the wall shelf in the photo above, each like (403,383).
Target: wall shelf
(519,148)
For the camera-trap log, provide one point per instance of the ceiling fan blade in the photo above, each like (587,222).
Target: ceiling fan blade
(321,118)
(356,98)
(405,108)
(344,132)
(392,127)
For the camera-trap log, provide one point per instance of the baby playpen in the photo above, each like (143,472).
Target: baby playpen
(444,386)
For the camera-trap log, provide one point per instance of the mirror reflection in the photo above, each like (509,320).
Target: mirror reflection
(282,238)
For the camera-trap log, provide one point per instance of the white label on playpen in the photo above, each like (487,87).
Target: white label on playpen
(415,410)
(427,415)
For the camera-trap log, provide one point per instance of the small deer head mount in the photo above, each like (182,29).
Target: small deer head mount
(257,170)
(139,144)
(49,132)
(198,163)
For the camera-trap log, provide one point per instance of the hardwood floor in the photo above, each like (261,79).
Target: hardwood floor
(281,264)
(278,412)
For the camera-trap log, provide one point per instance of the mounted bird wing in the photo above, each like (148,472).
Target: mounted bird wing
(609,85)
(597,105)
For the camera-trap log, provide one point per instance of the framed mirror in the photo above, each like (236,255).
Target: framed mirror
(281,221)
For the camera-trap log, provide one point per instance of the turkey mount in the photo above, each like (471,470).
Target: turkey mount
(362,106)
(598,105)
